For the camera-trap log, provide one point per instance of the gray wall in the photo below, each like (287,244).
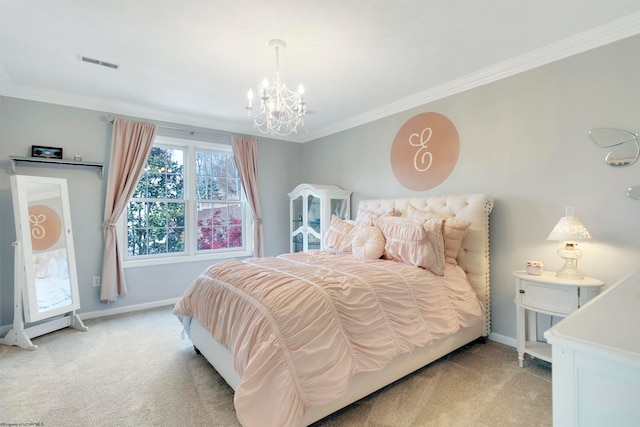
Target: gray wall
(523,140)
(25,123)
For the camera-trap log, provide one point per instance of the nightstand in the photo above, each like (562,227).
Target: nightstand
(547,294)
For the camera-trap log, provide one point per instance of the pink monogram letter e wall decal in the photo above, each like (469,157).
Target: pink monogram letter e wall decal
(425,151)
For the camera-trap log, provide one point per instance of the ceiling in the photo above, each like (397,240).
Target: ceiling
(192,62)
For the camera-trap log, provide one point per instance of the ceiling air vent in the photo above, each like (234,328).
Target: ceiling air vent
(98,62)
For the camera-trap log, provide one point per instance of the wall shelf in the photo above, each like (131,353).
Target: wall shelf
(15,159)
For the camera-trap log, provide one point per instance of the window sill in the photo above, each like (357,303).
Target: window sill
(178,259)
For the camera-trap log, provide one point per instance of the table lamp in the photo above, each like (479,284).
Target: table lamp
(569,230)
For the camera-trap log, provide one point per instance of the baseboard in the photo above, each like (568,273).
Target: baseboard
(127,309)
(503,339)
(110,311)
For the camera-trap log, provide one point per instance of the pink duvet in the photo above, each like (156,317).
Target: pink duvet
(301,325)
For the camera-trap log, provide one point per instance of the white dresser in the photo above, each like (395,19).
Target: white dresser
(596,360)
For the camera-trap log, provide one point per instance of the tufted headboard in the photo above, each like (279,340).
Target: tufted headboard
(474,254)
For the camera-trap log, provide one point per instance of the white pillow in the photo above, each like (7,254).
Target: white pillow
(367,243)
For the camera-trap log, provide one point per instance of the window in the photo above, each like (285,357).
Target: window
(188,205)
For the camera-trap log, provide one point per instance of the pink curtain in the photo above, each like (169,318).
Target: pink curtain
(130,146)
(245,152)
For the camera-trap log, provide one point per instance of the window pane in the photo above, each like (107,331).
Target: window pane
(175,186)
(205,226)
(175,240)
(141,188)
(175,214)
(205,213)
(232,171)
(201,188)
(137,214)
(214,189)
(157,240)
(203,162)
(235,226)
(157,214)
(157,159)
(205,238)
(138,241)
(219,165)
(175,161)
(223,189)
(234,189)
(220,226)
(156,186)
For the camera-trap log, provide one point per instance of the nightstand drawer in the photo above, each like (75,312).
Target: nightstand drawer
(550,298)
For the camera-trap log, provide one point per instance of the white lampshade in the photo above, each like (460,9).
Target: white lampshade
(569,230)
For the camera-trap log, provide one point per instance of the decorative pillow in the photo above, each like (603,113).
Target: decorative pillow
(367,216)
(367,243)
(408,241)
(454,231)
(338,236)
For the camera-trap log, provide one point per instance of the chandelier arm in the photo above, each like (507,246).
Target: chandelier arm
(281,109)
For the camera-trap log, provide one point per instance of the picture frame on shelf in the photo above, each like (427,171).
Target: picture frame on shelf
(46,152)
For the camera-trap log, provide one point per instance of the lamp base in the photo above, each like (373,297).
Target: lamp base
(570,254)
(569,273)
(570,270)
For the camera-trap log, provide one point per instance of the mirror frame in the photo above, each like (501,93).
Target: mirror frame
(22,200)
(634,192)
(616,140)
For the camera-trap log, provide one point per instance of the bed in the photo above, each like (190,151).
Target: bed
(261,322)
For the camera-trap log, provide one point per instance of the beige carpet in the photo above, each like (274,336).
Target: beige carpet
(136,370)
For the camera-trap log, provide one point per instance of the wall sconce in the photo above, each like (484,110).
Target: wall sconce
(569,230)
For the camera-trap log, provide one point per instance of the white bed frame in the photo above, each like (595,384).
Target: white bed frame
(473,259)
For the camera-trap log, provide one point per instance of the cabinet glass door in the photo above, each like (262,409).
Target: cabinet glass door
(297,209)
(314,214)
(314,241)
(297,242)
(339,208)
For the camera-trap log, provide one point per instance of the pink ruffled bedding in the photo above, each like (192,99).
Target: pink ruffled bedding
(301,325)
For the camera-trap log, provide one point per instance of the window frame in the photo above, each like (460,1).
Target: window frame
(190,223)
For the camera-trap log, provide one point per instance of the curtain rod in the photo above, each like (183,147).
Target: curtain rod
(111,119)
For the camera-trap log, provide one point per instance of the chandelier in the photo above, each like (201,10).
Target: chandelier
(281,109)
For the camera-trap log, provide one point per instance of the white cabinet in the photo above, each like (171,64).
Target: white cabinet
(547,294)
(596,360)
(311,207)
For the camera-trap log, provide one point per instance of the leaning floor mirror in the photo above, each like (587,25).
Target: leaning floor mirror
(43,231)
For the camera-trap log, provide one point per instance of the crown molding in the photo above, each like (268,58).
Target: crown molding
(582,42)
(8,89)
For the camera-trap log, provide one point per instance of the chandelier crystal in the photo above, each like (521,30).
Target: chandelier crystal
(281,109)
